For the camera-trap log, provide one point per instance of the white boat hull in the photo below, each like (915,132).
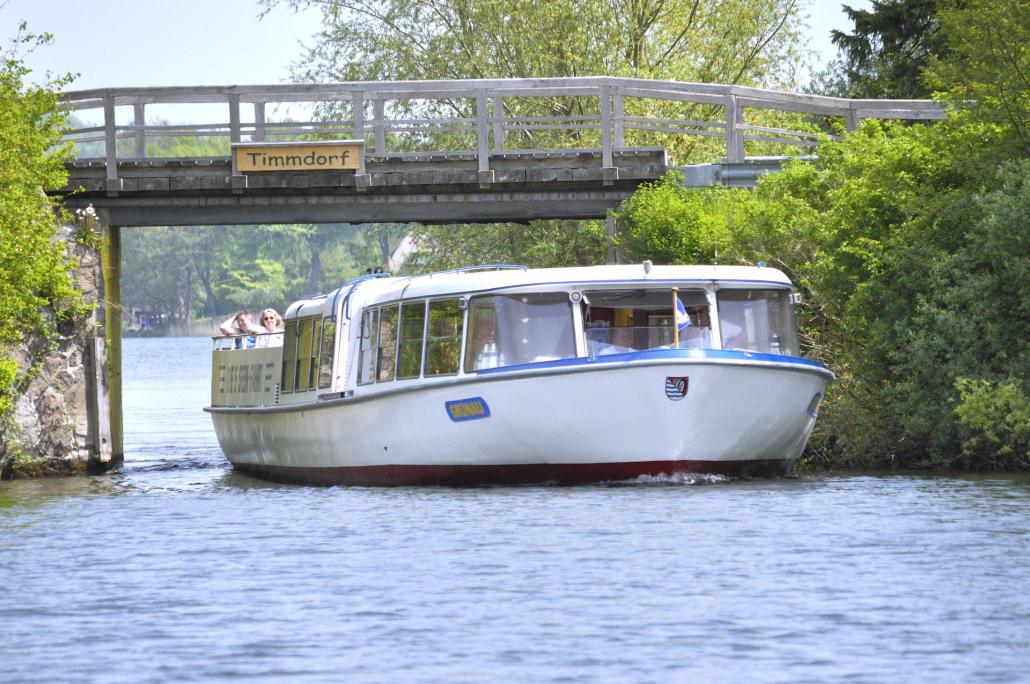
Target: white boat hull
(584,423)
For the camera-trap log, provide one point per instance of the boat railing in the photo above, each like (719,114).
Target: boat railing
(487,267)
(475,269)
(247,341)
(603,340)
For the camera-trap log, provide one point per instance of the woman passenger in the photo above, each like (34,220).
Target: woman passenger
(271,322)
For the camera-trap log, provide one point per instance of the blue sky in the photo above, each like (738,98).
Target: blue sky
(113,43)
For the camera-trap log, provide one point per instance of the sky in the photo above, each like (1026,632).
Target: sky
(126,43)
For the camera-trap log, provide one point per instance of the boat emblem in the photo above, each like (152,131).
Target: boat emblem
(676,388)
(472,408)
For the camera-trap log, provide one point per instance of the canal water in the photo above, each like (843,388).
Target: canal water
(177,569)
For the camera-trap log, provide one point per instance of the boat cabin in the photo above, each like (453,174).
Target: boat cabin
(378,333)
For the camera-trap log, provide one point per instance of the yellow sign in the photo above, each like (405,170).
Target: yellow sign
(315,156)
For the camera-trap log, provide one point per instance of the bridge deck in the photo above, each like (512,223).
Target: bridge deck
(430,188)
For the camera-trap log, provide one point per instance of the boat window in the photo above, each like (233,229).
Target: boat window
(325,367)
(303,370)
(316,346)
(387,343)
(443,345)
(413,320)
(513,329)
(289,356)
(758,320)
(617,321)
(369,340)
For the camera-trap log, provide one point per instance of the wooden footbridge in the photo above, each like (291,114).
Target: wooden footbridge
(426,151)
(439,151)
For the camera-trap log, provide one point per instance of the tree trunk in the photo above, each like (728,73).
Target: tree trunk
(384,248)
(316,267)
(189,294)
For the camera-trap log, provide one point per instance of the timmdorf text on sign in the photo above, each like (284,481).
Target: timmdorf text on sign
(298,156)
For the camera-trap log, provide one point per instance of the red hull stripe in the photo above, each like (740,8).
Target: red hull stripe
(532,473)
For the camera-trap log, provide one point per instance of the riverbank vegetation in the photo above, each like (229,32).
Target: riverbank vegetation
(911,246)
(909,242)
(37,293)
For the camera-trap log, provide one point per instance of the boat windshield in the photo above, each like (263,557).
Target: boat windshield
(507,330)
(618,321)
(758,320)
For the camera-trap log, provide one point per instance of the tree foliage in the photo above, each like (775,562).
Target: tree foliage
(538,244)
(733,41)
(746,42)
(35,285)
(891,43)
(179,274)
(911,247)
(987,69)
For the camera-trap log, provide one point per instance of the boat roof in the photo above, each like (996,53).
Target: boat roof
(478,280)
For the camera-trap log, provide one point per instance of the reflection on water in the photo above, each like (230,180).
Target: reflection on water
(178,569)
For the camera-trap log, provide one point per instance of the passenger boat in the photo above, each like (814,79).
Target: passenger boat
(504,375)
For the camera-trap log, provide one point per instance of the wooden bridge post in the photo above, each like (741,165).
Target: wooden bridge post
(357,100)
(234,118)
(851,120)
(606,127)
(497,114)
(139,134)
(379,124)
(486,176)
(259,122)
(111,184)
(609,174)
(111,264)
(620,136)
(734,136)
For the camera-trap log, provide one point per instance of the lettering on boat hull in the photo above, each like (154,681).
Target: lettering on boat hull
(467,409)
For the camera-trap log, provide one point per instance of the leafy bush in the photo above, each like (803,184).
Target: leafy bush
(34,273)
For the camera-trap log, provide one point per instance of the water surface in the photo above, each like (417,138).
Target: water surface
(178,569)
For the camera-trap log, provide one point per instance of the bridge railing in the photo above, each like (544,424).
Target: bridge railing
(475,117)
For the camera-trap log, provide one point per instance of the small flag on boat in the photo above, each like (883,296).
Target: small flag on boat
(682,317)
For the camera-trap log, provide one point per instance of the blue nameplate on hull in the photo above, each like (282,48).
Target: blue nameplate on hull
(472,408)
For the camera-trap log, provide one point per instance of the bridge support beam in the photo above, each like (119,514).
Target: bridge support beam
(111,264)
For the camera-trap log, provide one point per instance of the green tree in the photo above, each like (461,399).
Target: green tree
(986,72)
(734,41)
(538,244)
(671,224)
(888,48)
(36,290)
(747,42)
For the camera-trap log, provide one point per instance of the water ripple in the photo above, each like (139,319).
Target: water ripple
(179,569)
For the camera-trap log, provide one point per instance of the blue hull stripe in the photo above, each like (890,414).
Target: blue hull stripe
(659,354)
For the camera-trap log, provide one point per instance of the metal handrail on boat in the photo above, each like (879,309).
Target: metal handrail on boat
(240,340)
(480,267)
(489,267)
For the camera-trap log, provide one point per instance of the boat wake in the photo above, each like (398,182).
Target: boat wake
(673,480)
(178,464)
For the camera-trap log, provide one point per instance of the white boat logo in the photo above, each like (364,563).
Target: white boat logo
(676,388)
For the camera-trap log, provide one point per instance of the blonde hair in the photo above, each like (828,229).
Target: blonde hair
(275,314)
